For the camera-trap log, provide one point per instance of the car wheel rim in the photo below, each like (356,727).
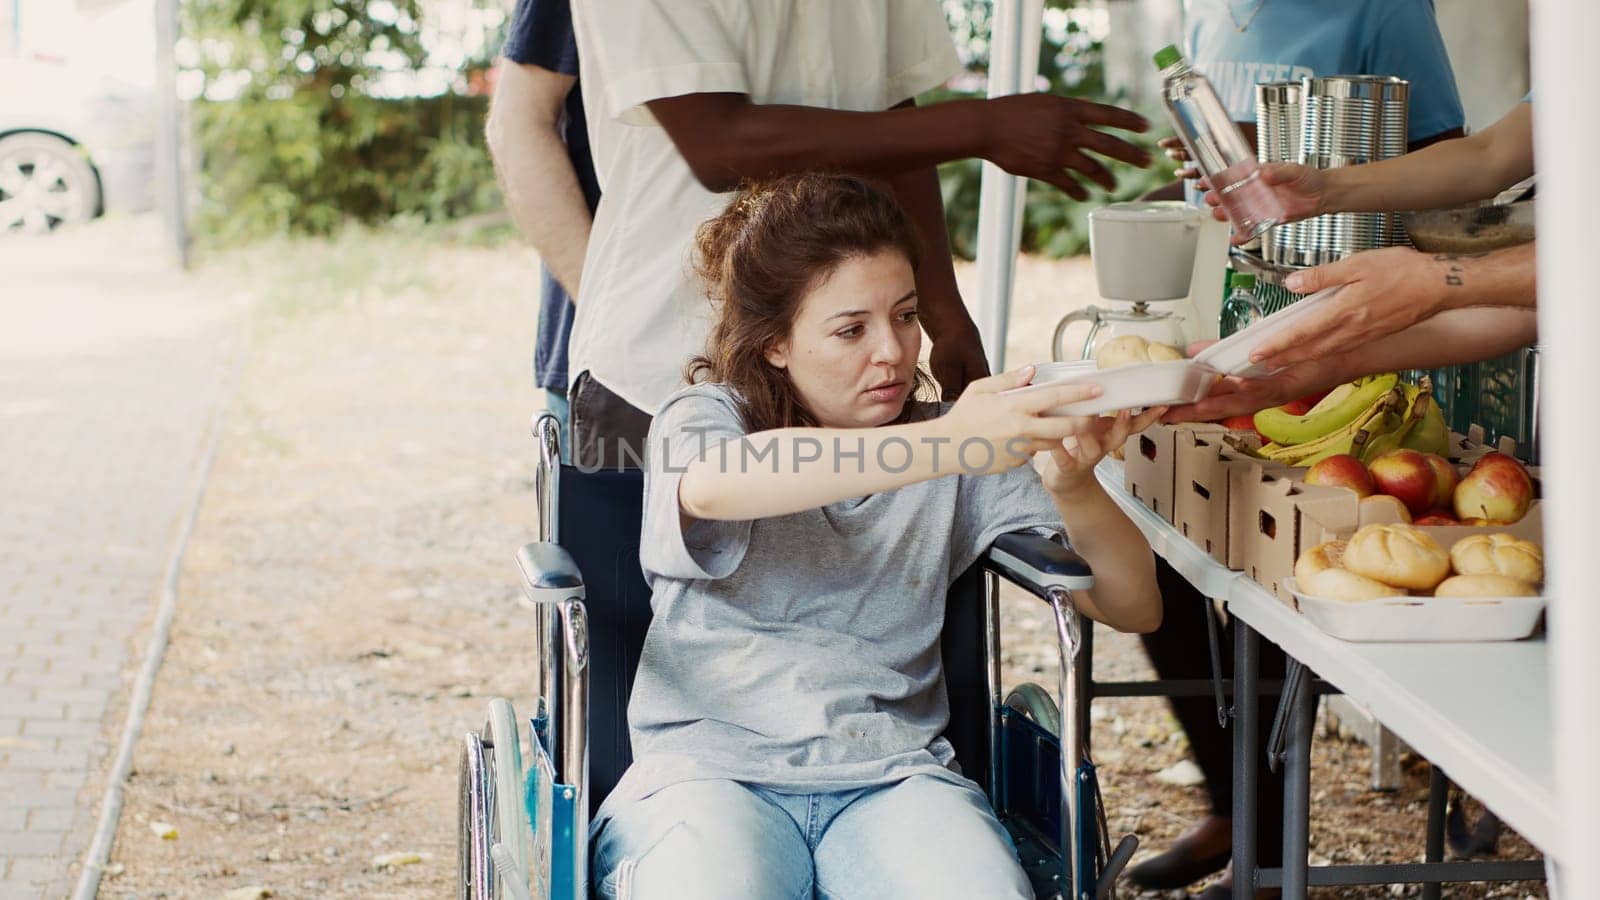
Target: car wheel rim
(36,193)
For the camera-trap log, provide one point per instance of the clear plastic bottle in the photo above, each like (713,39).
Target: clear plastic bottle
(1241,309)
(1217,145)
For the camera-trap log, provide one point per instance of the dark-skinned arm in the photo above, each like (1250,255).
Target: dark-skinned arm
(956,357)
(726,139)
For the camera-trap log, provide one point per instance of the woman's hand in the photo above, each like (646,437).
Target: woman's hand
(1067,466)
(1301,189)
(989,431)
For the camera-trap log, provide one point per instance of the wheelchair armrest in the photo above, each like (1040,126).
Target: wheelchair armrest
(1037,563)
(549,574)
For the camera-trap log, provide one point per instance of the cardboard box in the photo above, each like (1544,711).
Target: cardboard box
(1465,449)
(1148,467)
(1203,457)
(1273,516)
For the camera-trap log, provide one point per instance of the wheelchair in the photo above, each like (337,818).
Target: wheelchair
(523,824)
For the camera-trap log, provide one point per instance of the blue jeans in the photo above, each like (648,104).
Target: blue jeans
(555,401)
(923,837)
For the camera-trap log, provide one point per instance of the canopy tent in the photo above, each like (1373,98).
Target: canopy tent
(1569,328)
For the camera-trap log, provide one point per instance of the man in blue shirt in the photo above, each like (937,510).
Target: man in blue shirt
(540,146)
(1238,44)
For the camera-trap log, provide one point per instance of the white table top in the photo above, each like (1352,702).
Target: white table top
(1480,711)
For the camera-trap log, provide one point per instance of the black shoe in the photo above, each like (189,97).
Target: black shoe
(1175,869)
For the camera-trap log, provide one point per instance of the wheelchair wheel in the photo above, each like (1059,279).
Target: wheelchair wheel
(1036,703)
(508,822)
(475,865)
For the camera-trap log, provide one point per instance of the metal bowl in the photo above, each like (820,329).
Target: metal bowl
(1470,229)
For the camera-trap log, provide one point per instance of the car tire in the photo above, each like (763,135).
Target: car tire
(44,183)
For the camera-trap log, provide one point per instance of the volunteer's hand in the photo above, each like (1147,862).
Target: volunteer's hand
(1179,154)
(1383,292)
(1069,464)
(1233,396)
(1046,137)
(957,360)
(1009,428)
(1301,189)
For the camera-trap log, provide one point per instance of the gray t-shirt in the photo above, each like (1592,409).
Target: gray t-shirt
(801,652)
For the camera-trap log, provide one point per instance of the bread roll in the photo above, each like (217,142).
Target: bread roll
(1342,584)
(1498,554)
(1485,586)
(1402,555)
(1160,352)
(1322,556)
(1132,349)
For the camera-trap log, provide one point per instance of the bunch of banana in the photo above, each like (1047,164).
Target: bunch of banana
(1365,418)
(1382,416)
(1423,429)
(1342,406)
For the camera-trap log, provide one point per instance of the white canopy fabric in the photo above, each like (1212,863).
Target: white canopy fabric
(1563,36)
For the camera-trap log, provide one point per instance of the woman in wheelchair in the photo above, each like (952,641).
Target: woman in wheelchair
(804,515)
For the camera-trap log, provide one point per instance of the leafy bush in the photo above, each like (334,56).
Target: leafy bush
(295,140)
(1072,64)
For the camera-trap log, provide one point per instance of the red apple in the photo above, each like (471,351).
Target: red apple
(1303,405)
(1496,458)
(1437,518)
(1241,423)
(1446,479)
(1344,471)
(1406,476)
(1497,489)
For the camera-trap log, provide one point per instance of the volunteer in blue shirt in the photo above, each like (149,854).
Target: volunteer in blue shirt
(1238,44)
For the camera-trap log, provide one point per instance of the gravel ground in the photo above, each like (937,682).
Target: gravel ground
(348,603)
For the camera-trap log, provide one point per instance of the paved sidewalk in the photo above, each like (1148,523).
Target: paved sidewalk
(110,368)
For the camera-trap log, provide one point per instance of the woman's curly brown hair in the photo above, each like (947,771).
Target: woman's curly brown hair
(758,259)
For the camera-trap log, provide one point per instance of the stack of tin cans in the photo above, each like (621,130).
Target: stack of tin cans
(1340,120)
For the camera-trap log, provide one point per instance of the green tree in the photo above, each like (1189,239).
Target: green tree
(294,132)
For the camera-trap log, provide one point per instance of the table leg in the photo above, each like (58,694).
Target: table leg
(1246,766)
(1438,794)
(1297,792)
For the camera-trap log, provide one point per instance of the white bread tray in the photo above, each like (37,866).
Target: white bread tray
(1126,387)
(1419,619)
(1231,355)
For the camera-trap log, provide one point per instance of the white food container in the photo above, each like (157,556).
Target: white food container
(1422,619)
(1127,387)
(1175,382)
(1231,355)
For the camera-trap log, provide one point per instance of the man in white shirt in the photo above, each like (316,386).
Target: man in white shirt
(686,98)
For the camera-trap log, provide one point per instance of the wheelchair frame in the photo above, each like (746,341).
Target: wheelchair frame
(523,832)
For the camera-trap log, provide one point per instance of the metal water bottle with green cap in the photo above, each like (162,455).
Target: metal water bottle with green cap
(1216,144)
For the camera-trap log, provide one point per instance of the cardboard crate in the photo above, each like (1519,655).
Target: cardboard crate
(1465,449)
(1203,458)
(1273,516)
(1148,467)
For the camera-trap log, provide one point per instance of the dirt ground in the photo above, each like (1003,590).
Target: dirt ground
(348,603)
